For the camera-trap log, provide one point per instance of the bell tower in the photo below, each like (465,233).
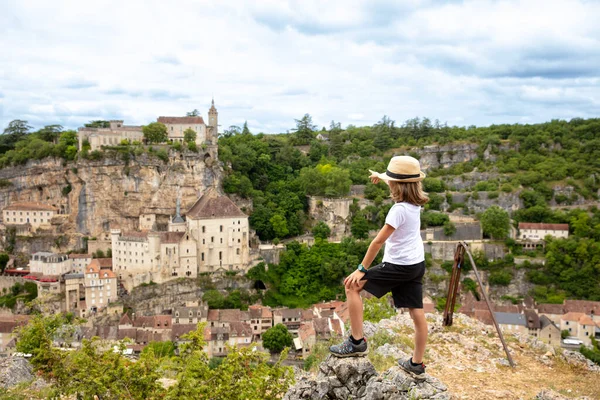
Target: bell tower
(213,123)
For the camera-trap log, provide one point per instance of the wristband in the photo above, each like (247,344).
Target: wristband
(361,268)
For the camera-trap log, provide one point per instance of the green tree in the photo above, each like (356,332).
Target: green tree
(50,133)
(321,230)
(279,224)
(193,113)
(304,129)
(189,135)
(359,227)
(98,124)
(3,261)
(155,132)
(245,130)
(449,228)
(275,339)
(160,349)
(495,222)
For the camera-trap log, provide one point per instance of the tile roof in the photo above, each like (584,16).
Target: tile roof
(230,315)
(133,235)
(584,306)
(104,262)
(30,206)
(73,255)
(306,330)
(179,330)
(213,315)
(547,227)
(125,320)
(240,329)
(289,312)
(532,319)
(171,237)
(547,308)
(572,316)
(213,205)
(180,120)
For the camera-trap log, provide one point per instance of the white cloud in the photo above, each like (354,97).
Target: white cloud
(268,62)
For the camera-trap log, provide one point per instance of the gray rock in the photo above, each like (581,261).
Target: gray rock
(15,370)
(356,378)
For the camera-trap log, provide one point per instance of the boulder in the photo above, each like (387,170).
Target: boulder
(356,378)
(14,370)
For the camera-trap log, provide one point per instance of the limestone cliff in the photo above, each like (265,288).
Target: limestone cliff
(95,195)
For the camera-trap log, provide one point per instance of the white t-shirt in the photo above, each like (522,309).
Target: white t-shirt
(404,246)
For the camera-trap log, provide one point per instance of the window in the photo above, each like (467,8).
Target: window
(221,240)
(237,251)
(202,256)
(203,229)
(221,228)
(212,239)
(220,255)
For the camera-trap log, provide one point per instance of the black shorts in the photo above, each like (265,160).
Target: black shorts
(404,281)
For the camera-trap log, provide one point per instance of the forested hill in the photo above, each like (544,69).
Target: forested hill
(530,161)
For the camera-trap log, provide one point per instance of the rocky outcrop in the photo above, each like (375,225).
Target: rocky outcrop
(95,195)
(356,378)
(14,370)
(549,394)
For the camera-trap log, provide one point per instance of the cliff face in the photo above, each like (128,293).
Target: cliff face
(95,195)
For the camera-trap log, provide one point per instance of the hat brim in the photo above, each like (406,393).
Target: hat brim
(386,177)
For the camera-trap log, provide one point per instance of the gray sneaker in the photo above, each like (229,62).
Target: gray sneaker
(417,371)
(349,349)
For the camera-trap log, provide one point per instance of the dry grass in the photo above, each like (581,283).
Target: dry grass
(524,382)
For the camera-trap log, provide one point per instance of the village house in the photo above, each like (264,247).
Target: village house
(580,326)
(189,314)
(537,231)
(79,262)
(111,136)
(28,217)
(549,332)
(290,317)
(261,319)
(553,312)
(46,263)
(100,286)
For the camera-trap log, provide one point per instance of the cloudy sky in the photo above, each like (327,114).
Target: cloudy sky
(270,61)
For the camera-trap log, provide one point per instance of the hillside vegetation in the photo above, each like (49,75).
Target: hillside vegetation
(528,160)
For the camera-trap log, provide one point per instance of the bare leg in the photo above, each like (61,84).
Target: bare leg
(355,306)
(418,317)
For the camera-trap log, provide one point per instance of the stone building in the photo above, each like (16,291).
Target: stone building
(536,232)
(212,237)
(205,134)
(111,136)
(79,262)
(45,263)
(100,286)
(27,217)
(221,232)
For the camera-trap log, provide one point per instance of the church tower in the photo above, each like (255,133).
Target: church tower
(213,123)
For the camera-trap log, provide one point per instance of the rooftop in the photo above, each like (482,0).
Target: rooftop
(547,227)
(180,120)
(213,205)
(30,206)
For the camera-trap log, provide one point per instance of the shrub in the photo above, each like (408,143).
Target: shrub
(500,278)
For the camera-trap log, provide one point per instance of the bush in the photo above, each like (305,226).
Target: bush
(163,155)
(500,278)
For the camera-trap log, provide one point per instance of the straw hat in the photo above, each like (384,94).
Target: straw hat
(402,169)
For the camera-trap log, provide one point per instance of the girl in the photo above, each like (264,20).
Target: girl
(403,266)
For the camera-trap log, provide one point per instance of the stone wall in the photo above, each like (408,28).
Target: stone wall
(8,281)
(445,250)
